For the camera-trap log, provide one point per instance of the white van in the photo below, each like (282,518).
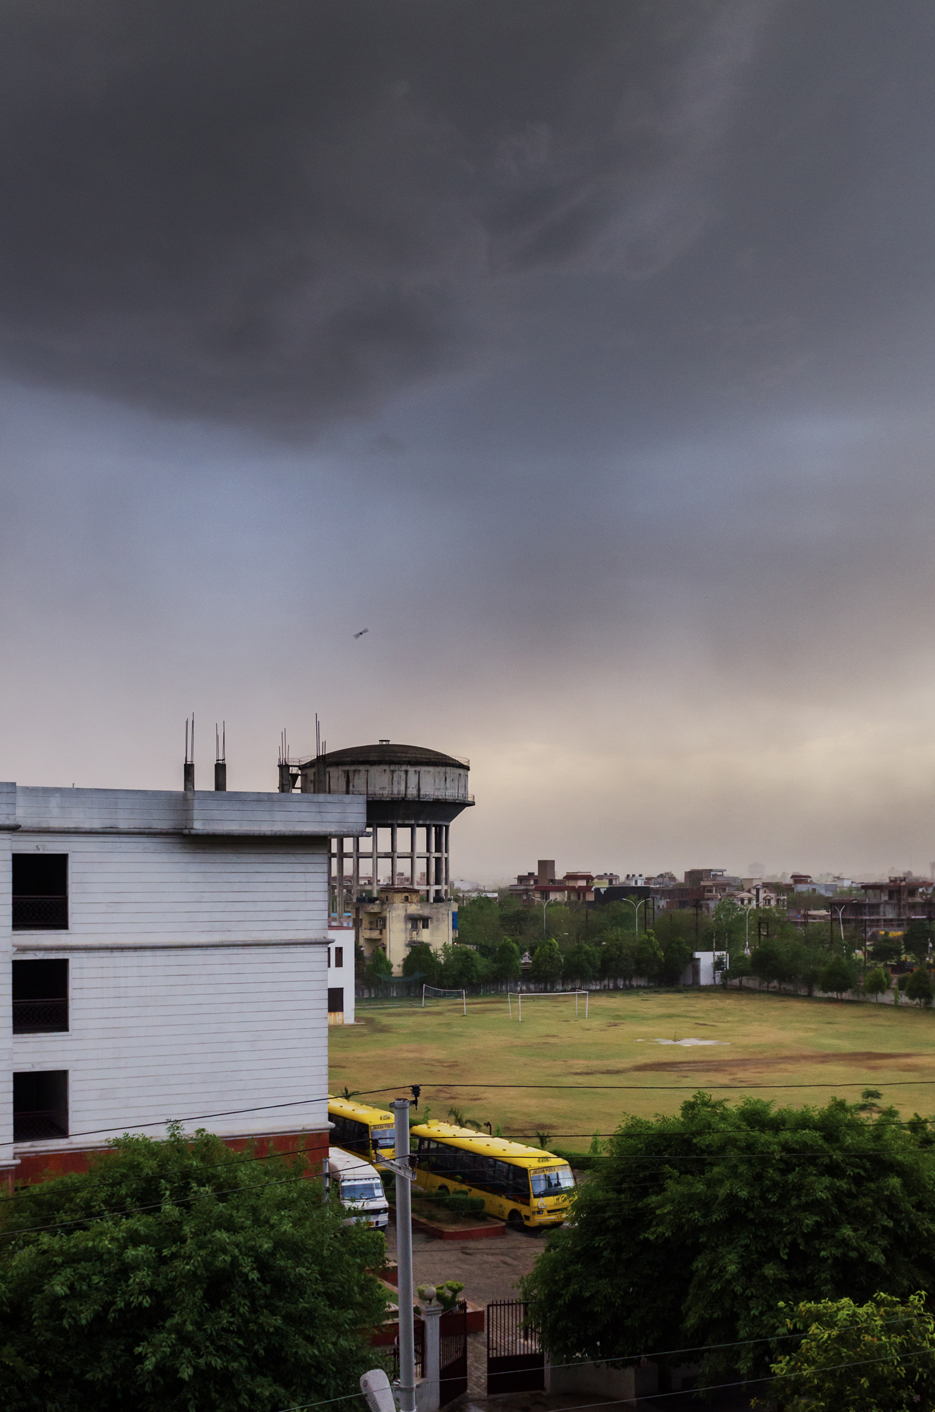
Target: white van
(358,1186)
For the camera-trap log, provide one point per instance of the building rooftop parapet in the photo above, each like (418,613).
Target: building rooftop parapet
(222,813)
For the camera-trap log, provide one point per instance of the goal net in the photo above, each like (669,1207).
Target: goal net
(519,996)
(434,992)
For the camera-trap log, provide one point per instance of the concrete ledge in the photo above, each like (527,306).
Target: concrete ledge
(440,1232)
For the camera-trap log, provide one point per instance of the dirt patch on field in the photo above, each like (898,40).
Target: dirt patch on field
(900,1060)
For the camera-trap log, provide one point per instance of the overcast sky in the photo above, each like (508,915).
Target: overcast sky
(580,350)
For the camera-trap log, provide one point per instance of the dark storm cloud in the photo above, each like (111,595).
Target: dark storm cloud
(279,212)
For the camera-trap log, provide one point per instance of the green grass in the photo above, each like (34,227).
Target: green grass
(779,1040)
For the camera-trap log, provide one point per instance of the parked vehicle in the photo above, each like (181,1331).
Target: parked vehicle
(359,1128)
(522,1185)
(359,1188)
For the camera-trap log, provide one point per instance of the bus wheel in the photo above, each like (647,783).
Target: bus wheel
(515,1221)
(442,1190)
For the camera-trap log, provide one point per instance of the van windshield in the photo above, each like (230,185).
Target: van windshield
(548,1183)
(383,1137)
(361,1191)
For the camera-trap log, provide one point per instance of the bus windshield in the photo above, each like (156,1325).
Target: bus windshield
(361,1191)
(548,1183)
(383,1137)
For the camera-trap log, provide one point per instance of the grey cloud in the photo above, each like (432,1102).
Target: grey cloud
(280,214)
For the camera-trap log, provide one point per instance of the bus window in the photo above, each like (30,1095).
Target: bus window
(550,1183)
(518,1183)
(382,1137)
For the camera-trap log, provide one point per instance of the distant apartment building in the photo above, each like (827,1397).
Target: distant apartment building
(888,906)
(401,917)
(544,886)
(165,955)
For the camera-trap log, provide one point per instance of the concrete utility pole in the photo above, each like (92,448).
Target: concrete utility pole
(407,1355)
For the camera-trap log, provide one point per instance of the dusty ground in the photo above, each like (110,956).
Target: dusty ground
(488,1269)
(571,1077)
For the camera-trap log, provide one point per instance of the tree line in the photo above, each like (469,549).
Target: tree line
(573,944)
(570,945)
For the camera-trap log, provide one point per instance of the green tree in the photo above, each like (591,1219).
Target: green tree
(919,987)
(581,963)
(506,962)
(693,1229)
(917,940)
(873,1357)
(547,962)
(888,949)
(647,956)
(838,976)
(677,953)
(379,968)
(460,967)
(479,924)
(770,961)
(808,959)
(728,925)
(182,1275)
(421,964)
(739,966)
(617,958)
(876,982)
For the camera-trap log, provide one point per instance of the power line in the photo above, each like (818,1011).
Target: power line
(226,1113)
(166,1201)
(704,1348)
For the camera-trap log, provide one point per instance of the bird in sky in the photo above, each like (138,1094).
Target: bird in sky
(361,633)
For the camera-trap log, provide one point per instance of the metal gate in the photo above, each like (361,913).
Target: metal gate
(418,1338)
(515,1360)
(452,1354)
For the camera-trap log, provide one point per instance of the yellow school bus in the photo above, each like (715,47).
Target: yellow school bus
(522,1185)
(370,1132)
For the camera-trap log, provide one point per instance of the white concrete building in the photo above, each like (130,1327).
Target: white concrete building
(163,955)
(341,975)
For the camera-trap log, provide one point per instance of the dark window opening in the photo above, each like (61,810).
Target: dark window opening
(40,996)
(40,891)
(335,1000)
(40,1105)
(338,958)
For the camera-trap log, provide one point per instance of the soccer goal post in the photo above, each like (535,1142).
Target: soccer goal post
(544,995)
(435,992)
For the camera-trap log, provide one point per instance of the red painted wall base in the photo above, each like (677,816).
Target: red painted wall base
(39,1166)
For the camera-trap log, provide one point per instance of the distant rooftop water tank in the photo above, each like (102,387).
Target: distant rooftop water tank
(403,784)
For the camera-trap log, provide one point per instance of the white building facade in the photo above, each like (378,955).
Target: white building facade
(163,955)
(341,975)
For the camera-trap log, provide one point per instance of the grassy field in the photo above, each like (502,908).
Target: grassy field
(775,1040)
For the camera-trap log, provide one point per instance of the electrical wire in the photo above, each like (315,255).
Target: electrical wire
(225,1113)
(448,1085)
(164,1202)
(715,1387)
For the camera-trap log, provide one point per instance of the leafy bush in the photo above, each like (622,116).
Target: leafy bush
(919,987)
(866,1358)
(183,1275)
(694,1228)
(459,1203)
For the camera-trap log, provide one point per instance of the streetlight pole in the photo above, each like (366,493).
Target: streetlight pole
(636,914)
